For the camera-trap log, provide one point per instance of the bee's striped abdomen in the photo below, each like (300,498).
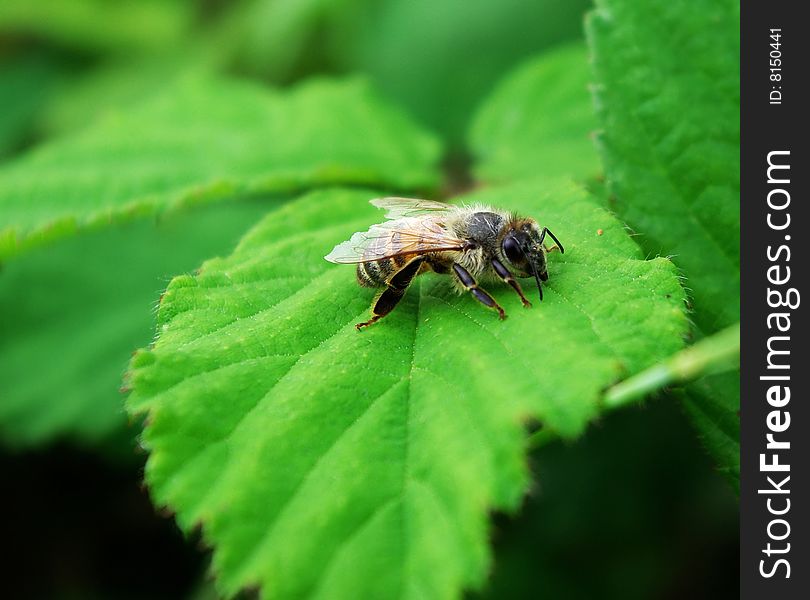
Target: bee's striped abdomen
(377,273)
(369,274)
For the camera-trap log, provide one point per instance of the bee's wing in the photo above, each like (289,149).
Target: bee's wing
(397,208)
(412,235)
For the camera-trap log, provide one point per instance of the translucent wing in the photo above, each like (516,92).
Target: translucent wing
(397,208)
(409,235)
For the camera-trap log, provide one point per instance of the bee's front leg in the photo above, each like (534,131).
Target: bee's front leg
(507,277)
(469,283)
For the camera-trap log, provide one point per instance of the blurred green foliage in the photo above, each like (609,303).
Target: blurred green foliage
(437,59)
(545,99)
(28,84)
(85,305)
(474,73)
(205,139)
(98,26)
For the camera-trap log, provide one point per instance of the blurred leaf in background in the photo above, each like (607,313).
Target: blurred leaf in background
(71,313)
(538,121)
(95,26)
(28,85)
(114,87)
(437,59)
(208,139)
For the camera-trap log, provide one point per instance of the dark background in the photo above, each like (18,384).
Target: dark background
(632,510)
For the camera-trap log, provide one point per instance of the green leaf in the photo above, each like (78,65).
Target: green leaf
(667,93)
(718,353)
(437,60)
(99,25)
(209,140)
(539,121)
(667,76)
(71,314)
(116,86)
(26,84)
(440,59)
(273,37)
(269,415)
(713,403)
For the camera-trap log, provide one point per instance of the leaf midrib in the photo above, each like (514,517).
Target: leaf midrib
(271,532)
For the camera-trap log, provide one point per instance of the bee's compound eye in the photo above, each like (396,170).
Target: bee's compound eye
(511,248)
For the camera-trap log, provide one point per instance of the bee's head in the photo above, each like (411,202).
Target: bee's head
(522,246)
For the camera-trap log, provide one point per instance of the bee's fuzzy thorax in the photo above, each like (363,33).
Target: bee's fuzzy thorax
(518,223)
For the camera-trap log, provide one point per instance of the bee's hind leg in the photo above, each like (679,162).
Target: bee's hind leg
(393,293)
(469,283)
(507,277)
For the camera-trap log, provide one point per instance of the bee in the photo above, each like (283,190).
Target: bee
(467,243)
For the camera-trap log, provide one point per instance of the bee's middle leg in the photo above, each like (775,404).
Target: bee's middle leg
(507,277)
(393,293)
(469,283)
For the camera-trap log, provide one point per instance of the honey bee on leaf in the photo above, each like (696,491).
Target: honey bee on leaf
(467,243)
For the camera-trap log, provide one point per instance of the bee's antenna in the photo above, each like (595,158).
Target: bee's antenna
(545,231)
(534,268)
(539,287)
(536,278)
